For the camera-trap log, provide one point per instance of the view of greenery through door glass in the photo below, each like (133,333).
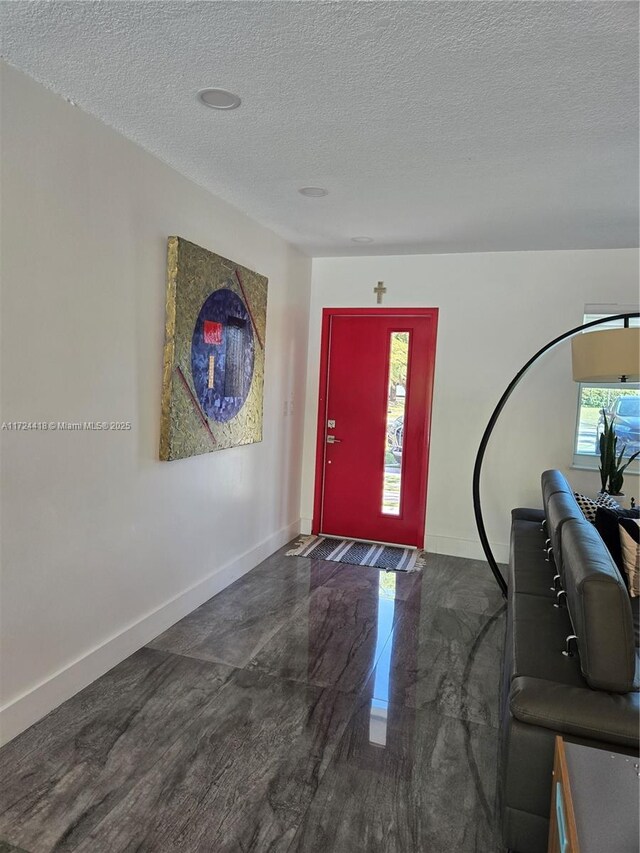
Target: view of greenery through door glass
(398,362)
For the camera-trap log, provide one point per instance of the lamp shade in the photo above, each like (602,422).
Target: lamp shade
(606,356)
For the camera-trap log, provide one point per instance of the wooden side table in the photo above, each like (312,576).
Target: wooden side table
(594,801)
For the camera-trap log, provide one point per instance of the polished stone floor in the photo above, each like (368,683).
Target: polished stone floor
(309,707)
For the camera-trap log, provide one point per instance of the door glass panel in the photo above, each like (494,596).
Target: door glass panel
(397,394)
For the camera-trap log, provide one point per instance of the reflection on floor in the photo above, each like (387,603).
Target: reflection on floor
(309,707)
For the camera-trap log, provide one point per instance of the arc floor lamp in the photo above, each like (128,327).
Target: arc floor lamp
(612,355)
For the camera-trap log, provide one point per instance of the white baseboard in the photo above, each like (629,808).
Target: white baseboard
(469,548)
(305,526)
(22,712)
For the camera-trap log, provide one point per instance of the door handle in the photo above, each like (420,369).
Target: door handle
(331,439)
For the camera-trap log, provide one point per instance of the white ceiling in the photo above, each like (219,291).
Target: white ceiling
(436,127)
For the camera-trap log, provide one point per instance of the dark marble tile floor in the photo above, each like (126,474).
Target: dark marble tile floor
(308,707)
(5,847)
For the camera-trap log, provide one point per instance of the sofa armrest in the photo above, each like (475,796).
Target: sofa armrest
(523,513)
(578,711)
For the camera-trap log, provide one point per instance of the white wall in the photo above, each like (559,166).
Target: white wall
(103,546)
(496,310)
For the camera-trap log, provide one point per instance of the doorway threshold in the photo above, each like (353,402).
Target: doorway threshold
(370,541)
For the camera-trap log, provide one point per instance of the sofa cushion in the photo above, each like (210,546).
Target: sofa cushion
(561,507)
(599,608)
(528,536)
(553,482)
(529,572)
(577,711)
(537,637)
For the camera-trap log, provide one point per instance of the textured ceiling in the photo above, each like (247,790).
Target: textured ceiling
(436,127)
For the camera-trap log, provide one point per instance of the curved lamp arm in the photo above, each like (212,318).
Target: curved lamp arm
(477,468)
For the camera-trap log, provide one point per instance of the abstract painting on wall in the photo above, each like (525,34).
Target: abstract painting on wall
(213,378)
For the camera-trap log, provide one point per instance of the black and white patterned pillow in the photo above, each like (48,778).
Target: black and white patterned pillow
(589,506)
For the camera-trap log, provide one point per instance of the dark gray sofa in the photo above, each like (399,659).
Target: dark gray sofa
(589,696)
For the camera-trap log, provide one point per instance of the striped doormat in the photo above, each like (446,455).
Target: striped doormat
(359,553)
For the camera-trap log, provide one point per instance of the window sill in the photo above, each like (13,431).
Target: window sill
(627,473)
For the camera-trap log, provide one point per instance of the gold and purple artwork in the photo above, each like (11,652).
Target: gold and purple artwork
(213,377)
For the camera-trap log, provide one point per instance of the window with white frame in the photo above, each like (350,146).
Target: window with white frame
(619,400)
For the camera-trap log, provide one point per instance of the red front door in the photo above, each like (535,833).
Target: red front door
(373,425)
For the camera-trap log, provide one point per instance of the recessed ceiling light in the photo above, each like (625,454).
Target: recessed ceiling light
(313,192)
(219,99)
(362,239)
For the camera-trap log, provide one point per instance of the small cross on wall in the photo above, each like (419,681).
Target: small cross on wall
(379,291)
